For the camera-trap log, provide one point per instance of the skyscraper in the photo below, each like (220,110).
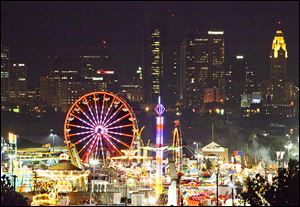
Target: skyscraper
(94,58)
(201,66)
(160,58)
(278,57)
(4,71)
(217,61)
(152,61)
(241,79)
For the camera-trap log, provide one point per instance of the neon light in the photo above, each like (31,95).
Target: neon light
(105,72)
(215,32)
(159,109)
(95,126)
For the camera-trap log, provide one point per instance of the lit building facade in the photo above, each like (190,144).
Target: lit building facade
(4,71)
(17,90)
(93,59)
(278,58)
(279,95)
(156,63)
(201,66)
(61,88)
(240,80)
(217,60)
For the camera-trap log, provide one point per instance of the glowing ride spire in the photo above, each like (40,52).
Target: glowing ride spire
(159,109)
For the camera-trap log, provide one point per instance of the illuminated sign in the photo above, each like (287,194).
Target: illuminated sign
(105,72)
(239,57)
(12,138)
(215,32)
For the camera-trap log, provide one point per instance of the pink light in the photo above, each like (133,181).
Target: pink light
(86,115)
(77,126)
(118,133)
(91,111)
(103,72)
(109,108)
(119,119)
(79,133)
(102,108)
(119,127)
(83,139)
(96,109)
(82,120)
(117,140)
(113,114)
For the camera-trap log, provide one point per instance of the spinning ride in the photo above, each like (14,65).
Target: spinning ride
(99,125)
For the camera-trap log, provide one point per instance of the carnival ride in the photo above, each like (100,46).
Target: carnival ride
(99,125)
(177,145)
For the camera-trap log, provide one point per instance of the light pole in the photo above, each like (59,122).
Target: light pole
(217,180)
(197,156)
(232,186)
(52,134)
(93,162)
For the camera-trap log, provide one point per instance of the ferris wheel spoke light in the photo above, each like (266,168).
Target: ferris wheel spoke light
(82,120)
(97,144)
(86,115)
(86,144)
(109,108)
(96,108)
(77,126)
(102,108)
(113,115)
(119,127)
(90,148)
(81,140)
(118,133)
(98,125)
(102,150)
(79,133)
(93,117)
(117,140)
(109,141)
(119,119)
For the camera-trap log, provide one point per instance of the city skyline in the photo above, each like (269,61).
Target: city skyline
(125,40)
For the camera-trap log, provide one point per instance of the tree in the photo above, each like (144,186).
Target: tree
(283,191)
(8,196)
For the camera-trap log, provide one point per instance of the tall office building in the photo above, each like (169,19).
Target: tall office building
(19,72)
(279,94)
(160,58)
(240,79)
(217,61)
(197,65)
(133,89)
(153,62)
(278,57)
(201,66)
(4,71)
(94,58)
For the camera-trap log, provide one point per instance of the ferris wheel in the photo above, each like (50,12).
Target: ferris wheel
(99,125)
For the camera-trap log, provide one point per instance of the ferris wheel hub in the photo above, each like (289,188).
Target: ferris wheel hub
(99,129)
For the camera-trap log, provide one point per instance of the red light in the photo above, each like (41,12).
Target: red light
(105,72)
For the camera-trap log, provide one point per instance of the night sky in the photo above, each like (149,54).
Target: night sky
(34,30)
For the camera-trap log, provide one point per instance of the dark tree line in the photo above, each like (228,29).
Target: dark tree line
(8,196)
(283,191)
